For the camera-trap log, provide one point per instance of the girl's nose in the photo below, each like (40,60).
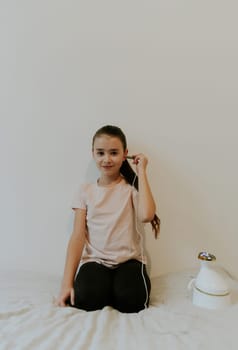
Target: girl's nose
(107,157)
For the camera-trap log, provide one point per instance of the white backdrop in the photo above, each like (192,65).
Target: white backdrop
(165,71)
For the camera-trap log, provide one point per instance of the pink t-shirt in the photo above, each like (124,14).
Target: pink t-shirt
(111,236)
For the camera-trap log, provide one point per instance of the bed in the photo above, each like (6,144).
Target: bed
(30,320)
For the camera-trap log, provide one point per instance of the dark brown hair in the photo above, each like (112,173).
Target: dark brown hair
(126,170)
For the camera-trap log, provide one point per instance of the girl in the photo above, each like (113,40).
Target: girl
(105,239)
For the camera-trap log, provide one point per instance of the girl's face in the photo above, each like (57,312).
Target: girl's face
(108,154)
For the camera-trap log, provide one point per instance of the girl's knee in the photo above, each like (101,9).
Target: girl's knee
(130,300)
(130,305)
(93,287)
(90,300)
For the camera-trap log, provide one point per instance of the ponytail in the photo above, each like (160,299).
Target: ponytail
(131,177)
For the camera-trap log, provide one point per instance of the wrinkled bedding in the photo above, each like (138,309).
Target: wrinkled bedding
(29,319)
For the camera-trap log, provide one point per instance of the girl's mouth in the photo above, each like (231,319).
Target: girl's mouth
(107,166)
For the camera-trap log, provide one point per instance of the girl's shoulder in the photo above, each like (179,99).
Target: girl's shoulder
(128,188)
(127,184)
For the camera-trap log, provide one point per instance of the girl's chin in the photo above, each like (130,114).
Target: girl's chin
(108,169)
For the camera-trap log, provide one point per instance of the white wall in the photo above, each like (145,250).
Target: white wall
(166,72)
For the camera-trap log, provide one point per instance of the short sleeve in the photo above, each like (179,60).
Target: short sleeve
(79,200)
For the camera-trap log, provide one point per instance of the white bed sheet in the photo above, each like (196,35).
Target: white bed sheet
(29,320)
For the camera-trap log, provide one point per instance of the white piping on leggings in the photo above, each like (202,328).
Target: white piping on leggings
(142,255)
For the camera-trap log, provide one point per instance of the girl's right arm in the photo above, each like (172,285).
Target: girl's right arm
(74,253)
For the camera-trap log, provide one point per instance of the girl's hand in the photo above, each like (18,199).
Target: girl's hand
(140,161)
(66,294)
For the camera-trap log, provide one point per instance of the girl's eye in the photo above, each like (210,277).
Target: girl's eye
(100,153)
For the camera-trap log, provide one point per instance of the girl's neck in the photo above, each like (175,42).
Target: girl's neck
(109,181)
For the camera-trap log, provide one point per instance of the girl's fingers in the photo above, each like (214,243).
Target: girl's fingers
(136,158)
(57,302)
(61,301)
(140,159)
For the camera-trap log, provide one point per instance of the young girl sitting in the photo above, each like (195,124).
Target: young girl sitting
(105,264)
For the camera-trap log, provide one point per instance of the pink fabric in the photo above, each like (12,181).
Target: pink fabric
(111,236)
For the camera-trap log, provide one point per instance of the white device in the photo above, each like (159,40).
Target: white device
(210,289)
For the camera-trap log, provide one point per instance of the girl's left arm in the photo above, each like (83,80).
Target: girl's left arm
(146,203)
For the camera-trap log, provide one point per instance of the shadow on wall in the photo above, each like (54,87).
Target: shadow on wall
(187,225)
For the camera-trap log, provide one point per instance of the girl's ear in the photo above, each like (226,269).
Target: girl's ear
(92,153)
(125,154)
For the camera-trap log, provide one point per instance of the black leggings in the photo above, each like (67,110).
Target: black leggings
(122,287)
